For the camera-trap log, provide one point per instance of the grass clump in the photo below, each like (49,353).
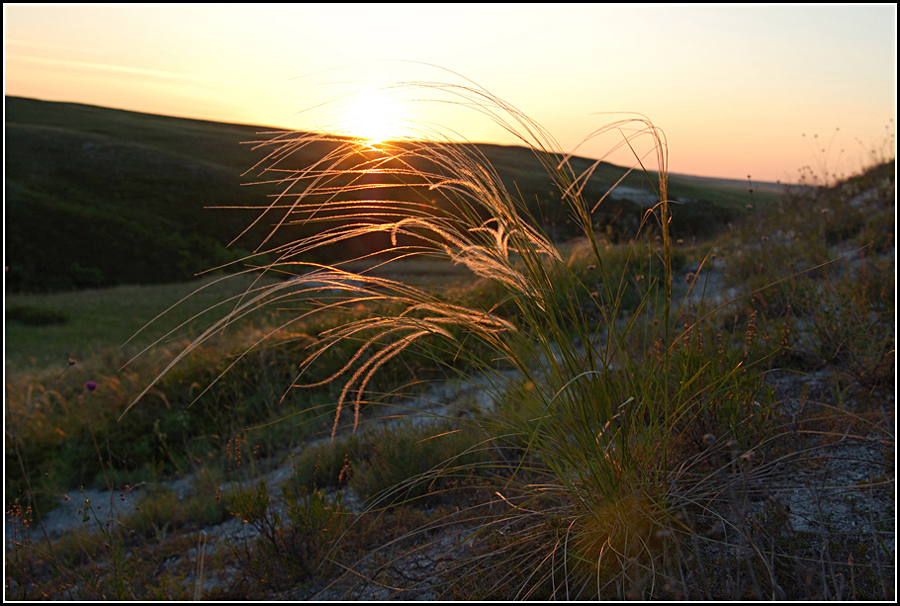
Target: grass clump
(291,539)
(424,466)
(597,421)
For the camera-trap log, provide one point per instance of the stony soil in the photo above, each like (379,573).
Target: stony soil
(827,484)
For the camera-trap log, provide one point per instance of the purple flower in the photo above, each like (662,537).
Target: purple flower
(91,385)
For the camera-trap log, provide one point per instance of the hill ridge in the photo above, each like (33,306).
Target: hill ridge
(166,171)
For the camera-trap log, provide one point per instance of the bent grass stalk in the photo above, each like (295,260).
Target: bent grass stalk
(588,420)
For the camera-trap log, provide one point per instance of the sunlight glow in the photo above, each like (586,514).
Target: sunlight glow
(372,117)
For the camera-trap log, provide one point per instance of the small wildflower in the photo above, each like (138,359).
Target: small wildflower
(91,385)
(709,439)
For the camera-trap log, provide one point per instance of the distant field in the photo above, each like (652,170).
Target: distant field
(105,318)
(768,187)
(415,271)
(99,319)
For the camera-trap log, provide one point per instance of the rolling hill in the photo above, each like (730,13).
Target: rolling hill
(99,197)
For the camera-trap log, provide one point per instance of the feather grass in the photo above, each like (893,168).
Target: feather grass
(586,426)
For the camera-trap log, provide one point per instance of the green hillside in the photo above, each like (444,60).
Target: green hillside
(98,197)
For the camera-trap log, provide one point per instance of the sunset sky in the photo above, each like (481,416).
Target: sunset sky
(735,88)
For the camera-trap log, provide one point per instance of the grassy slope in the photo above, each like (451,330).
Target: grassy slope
(105,318)
(100,319)
(99,197)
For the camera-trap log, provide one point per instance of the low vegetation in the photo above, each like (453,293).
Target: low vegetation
(582,414)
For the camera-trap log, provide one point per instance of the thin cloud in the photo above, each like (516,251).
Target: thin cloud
(66,64)
(42,45)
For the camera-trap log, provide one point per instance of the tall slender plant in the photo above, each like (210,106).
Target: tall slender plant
(585,424)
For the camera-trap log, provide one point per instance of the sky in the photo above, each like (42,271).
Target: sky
(737,90)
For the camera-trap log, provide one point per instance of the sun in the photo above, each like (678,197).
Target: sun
(372,117)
